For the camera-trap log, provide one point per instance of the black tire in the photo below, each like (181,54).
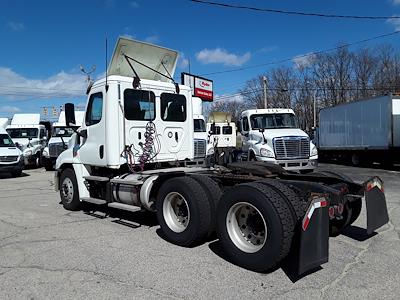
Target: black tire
(16,173)
(297,205)
(68,181)
(48,167)
(351,211)
(198,206)
(277,217)
(213,196)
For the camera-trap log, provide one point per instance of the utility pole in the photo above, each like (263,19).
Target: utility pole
(315,108)
(265,91)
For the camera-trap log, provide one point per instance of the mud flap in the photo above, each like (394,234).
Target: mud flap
(310,248)
(377,214)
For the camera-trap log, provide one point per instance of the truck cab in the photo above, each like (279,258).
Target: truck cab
(60,136)
(128,127)
(29,135)
(273,135)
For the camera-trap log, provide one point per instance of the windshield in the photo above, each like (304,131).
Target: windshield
(269,121)
(5,141)
(62,131)
(23,132)
(199,125)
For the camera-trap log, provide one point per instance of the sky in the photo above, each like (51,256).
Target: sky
(43,43)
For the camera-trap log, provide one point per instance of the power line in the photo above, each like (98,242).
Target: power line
(298,13)
(224,97)
(302,56)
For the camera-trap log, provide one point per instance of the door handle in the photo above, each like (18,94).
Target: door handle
(176,136)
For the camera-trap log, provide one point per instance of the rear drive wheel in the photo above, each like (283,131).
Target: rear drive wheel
(351,210)
(69,192)
(213,195)
(183,211)
(255,226)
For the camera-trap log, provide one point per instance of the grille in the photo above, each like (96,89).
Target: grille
(56,149)
(8,158)
(199,148)
(291,147)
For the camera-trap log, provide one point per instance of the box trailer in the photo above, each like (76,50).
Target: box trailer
(364,131)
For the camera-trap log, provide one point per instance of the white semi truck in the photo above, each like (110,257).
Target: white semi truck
(135,151)
(58,142)
(222,137)
(29,135)
(273,135)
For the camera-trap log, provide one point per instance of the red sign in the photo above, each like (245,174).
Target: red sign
(201,87)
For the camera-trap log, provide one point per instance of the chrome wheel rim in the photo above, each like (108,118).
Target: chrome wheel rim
(246,227)
(67,189)
(176,212)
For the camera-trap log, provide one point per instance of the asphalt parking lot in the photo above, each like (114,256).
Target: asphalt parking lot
(47,252)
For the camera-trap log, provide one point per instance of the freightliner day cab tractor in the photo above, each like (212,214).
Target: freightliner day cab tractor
(272,135)
(135,151)
(29,135)
(222,137)
(60,135)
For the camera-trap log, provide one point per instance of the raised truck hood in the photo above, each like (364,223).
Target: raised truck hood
(151,55)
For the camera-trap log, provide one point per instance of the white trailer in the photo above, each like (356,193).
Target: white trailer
(136,151)
(273,135)
(29,135)
(60,136)
(363,131)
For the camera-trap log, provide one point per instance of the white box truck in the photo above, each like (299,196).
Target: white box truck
(60,136)
(29,135)
(132,153)
(273,135)
(361,132)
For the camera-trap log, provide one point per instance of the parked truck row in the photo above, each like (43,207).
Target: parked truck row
(136,151)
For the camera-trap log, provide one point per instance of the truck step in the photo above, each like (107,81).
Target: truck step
(126,182)
(94,200)
(97,178)
(124,206)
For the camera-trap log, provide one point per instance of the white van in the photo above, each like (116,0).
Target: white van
(11,159)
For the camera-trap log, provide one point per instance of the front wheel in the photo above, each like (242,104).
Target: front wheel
(255,226)
(69,192)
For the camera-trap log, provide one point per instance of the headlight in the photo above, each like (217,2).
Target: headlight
(314,151)
(28,153)
(210,151)
(45,152)
(266,153)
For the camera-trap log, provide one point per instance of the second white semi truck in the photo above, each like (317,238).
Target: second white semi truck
(58,142)
(273,135)
(29,135)
(134,151)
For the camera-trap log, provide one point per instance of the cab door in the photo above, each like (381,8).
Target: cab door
(245,133)
(92,140)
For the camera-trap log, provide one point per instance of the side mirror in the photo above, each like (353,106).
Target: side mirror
(70,114)
(213,130)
